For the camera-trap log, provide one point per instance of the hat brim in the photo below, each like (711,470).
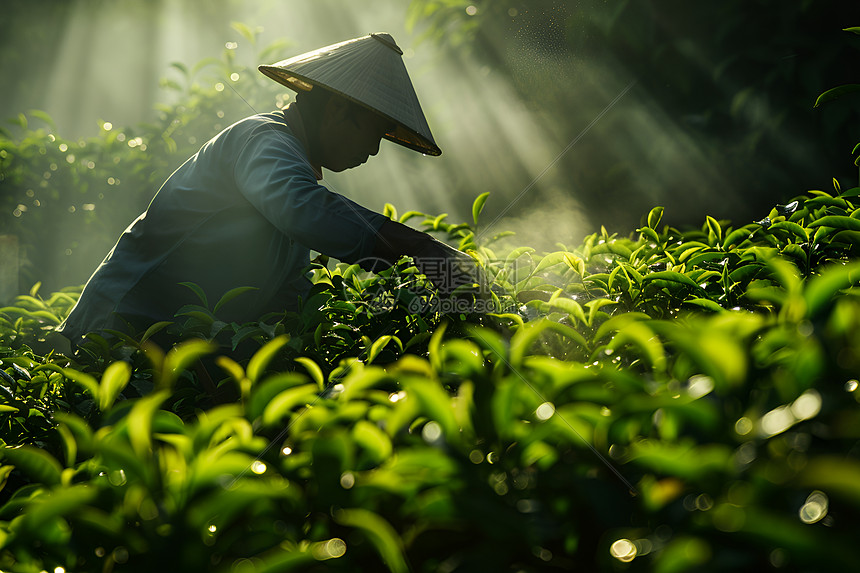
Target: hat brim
(401,134)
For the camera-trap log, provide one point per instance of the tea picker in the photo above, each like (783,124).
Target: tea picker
(247,208)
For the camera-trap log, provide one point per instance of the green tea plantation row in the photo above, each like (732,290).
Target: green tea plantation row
(666,401)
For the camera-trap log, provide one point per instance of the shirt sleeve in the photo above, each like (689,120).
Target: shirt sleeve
(273,174)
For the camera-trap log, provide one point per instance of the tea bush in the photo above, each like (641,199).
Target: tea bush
(668,400)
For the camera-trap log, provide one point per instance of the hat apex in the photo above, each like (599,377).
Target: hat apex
(369,71)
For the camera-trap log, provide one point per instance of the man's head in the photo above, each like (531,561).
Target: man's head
(370,72)
(342,134)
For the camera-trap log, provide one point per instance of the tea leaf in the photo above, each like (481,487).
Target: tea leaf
(550,260)
(478,206)
(314,370)
(180,357)
(244,30)
(435,403)
(517,253)
(820,290)
(576,263)
(594,307)
(410,214)
(654,217)
(373,440)
(714,229)
(379,345)
(672,276)
(140,423)
(36,463)
(650,234)
(571,307)
(360,380)
(58,503)
(114,379)
(835,93)
(524,337)
(705,303)
(837,222)
(434,347)
(641,336)
(154,329)
(230,295)
(279,406)
(792,228)
(390,211)
(260,360)
(198,292)
(85,380)
(265,391)
(380,534)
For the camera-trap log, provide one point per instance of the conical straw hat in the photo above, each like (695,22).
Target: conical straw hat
(368,71)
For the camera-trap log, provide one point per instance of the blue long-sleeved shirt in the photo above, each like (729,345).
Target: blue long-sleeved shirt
(245,210)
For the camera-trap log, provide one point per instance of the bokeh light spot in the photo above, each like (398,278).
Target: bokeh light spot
(545,411)
(807,405)
(700,386)
(815,508)
(777,421)
(258,467)
(624,550)
(331,549)
(743,426)
(431,432)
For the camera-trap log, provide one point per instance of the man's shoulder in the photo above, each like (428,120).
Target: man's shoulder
(248,128)
(273,118)
(263,123)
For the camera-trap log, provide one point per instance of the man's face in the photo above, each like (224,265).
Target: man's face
(349,134)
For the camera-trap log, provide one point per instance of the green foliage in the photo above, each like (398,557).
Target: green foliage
(666,400)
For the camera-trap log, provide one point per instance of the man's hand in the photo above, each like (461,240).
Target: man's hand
(446,267)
